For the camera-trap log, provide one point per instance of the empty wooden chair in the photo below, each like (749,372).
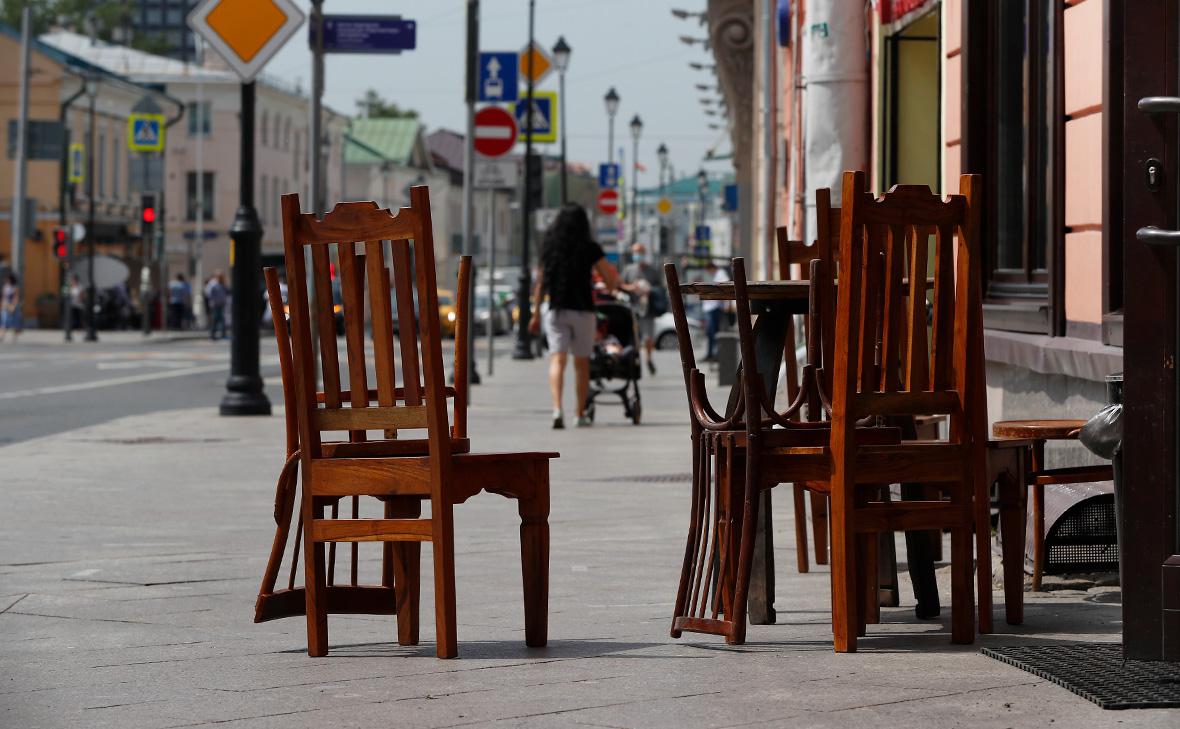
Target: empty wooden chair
(380,460)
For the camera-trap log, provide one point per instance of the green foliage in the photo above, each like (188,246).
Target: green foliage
(373,106)
(109,17)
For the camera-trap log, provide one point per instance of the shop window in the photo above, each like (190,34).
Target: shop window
(206,193)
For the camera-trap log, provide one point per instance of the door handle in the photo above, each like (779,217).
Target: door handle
(1154,236)
(1160,104)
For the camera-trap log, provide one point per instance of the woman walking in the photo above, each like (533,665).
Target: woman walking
(568,256)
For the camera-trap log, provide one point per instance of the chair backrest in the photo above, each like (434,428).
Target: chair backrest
(418,400)
(278,315)
(884,364)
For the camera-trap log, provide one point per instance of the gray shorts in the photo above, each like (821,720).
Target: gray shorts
(572,331)
(647,327)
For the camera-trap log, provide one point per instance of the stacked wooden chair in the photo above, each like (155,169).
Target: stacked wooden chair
(401,446)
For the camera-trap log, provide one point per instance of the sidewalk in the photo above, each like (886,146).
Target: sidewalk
(131,563)
(49,337)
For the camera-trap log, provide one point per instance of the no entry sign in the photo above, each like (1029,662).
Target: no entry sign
(495,131)
(608,202)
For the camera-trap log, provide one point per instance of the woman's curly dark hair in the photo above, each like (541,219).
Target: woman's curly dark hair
(569,232)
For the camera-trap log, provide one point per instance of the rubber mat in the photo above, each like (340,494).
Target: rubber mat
(1097,671)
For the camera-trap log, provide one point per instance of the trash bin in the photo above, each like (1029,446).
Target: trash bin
(1103,436)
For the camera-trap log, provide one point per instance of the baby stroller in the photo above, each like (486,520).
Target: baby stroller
(614,364)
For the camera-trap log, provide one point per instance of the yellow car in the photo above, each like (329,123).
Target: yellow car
(447,315)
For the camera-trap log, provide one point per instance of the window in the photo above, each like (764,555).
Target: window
(275,138)
(200,118)
(191,195)
(262,198)
(116,165)
(100,179)
(1014,125)
(287,135)
(297,158)
(265,126)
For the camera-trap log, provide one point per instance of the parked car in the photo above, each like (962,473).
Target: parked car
(502,320)
(665,334)
(447,315)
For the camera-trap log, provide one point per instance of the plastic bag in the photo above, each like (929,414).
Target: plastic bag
(1103,434)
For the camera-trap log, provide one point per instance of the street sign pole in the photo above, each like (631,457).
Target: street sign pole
(91,300)
(244,394)
(313,148)
(491,281)
(523,350)
(469,175)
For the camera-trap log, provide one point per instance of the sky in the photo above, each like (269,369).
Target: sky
(632,45)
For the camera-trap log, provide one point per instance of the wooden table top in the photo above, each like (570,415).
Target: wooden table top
(1037,429)
(760,290)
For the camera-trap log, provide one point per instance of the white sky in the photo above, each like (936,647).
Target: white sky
(632,45)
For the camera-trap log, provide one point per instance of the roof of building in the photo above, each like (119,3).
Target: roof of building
(446,148)
(383,140)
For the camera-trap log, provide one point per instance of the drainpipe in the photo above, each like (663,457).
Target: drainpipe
(836,106)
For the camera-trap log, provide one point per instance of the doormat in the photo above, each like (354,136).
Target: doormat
(1097,671)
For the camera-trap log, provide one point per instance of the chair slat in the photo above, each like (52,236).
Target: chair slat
(375,418)
(893,319)
(326,322)
(406,321)
(870,303)
(942,339)
(352,293)
(917,353)
(371,530)
(381,316)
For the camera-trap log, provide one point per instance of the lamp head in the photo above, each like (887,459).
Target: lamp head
(612,101)
(561,54)
(636,126)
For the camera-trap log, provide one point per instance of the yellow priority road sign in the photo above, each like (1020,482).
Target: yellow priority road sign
(246,33)
(542,64)
(145,132)
(664,206)
(76,171)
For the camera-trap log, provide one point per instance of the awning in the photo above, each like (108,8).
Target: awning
(895,11)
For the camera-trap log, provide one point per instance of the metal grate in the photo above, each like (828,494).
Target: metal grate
(1084,539)
(1097,671)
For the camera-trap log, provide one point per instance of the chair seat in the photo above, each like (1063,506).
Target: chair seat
(810,436)
(1038,429)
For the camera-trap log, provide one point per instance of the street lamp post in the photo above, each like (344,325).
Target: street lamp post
(636,130)
(561,61)
(702,190)
(91,324)
(523,348)
(612,108)
(662,156)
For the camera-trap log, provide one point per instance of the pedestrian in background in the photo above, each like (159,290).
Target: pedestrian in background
(216,295)
(569,255)
(714,312)
(180,294)
(77,304)
(649,299)
(10,307)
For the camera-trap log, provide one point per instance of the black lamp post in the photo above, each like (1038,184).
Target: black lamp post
(636,131)
(561,61)
(662,156)
(703,190)
(523,348)
(612,108)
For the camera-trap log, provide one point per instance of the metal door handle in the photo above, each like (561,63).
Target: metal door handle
(1154,236)
(1160,104)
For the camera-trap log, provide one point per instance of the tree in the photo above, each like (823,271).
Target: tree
(373,106)
(107,20)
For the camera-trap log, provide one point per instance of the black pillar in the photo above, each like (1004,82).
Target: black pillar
(91,299)
(244,394)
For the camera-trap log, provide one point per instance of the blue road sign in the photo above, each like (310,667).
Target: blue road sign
(608,176)
(543,120)
(499,78)
(366,34)
(703,233)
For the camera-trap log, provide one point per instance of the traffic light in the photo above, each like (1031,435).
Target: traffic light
(147,215)
(61,243)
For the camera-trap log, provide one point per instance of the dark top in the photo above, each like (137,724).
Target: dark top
(567,277)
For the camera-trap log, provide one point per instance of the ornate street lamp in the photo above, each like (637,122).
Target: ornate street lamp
(612,108)
(636,131)
(561,61)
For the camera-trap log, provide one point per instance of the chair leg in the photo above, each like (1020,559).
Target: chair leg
(844,569)
(983,540)
(801,529)
(1038,535)
(1013,517)
(866,583)
(286,508)
(962,598)
(315,602)
(534,559)
(406,570)
(443,547)
(819,526)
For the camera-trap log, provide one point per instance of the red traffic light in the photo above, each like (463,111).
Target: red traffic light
(149,215)
(61,243)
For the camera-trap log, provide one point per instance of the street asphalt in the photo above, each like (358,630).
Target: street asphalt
(136,523)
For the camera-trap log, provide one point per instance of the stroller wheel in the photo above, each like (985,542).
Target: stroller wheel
(636,411)
(590,412)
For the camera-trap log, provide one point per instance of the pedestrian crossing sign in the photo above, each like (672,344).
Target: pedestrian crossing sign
(76,171)
(543,119)
(145,132)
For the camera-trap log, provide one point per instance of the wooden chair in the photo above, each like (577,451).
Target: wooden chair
(881,242)
(711,597)
(797,253)
(403,471)
(273,604)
